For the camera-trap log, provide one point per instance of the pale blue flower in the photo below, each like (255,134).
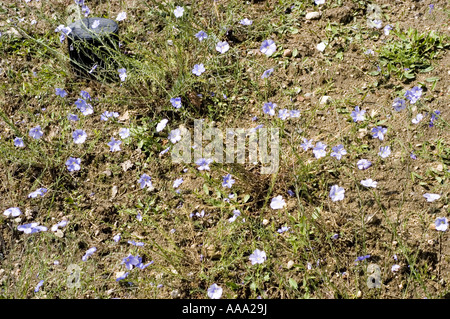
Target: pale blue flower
(395,268)
(361,258)
(319,151)
(319,2)
(122,276)
(222,47)
(85,10)
(175,135)
(95,24)
(164,151)
(60,92)
(116,238)
(64,32)
(294,113)
(228,181)
(72,117)
(269,108)
(145,181)
(130,261)
(89,253)
(62,223)
(414,94)
(267,73)
(431,197)
(246,21)
(31,228)
(214,291)
(307,144)
(203,164)
(441,224)
(134,243)
(177,182)
(36,132)
(18,142)
(79,136)
(258,257)
(178,12)
(85,95)
(114,145)
(369,183)
(399,104)
(107,115)
(38,286)
(376,23)
(378,132)
(124,133)
(338,151)
(84,107)
(417,119)
(358,115)
(201,35)
(385,151)
(161,125)
(73,164)
(387,29)
(283,229)
(363,164)
(198,69)
(434,116)
(268,47)
(176,102)
(12,212)
(39,192)
(236,214)
(283,114)
(121,16)
(337,193)
(122,74)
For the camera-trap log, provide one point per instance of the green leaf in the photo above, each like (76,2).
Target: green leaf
(253,286)
(409,75)
(246,198)
(206,189)
(429,69)
(293,283)
(232,285)
(433,79)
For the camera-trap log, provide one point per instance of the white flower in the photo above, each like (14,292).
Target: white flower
(178,12)
(321,46)
(121,16)
(161,125)
(277,202)
(431,197)
(369,183)
(222,47)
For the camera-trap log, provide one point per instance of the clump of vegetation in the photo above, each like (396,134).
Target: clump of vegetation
(412,52)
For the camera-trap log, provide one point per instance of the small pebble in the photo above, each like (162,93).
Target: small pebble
(312,16)
(287,53)
(325,99)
